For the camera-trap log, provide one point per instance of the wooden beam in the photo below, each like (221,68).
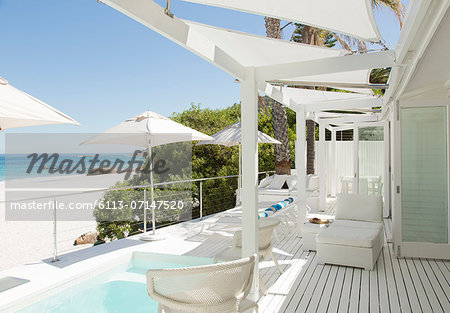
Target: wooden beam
(152,15)
(338,64)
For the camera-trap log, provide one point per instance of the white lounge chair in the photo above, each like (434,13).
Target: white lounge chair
(265,231)
(220,288)
(355,238)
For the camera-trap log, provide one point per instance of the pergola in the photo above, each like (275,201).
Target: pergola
(268,65)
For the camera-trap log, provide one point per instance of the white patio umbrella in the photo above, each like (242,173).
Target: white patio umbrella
(148,130)
(19,109)
(231,136)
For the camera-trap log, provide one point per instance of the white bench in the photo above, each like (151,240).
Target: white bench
(355,238)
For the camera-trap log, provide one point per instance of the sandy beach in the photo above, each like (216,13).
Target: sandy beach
(24,242)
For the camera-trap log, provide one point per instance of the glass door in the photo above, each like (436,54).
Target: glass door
(371,157)
(424,181)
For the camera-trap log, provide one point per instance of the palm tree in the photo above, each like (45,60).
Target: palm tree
(310,35)
(280,129)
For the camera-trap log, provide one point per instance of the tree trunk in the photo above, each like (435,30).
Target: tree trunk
(282,155)
(310,148)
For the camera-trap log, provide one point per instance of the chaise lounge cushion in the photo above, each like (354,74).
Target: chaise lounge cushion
(346,236)
(359,207)
(278,181)
(270,191)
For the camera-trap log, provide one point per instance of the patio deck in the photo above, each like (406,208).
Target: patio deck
(395,285)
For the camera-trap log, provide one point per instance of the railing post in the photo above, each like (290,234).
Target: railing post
(55,247)
(201,200)
(145,209)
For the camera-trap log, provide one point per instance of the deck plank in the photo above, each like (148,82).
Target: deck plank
(325,298)
(374,294)
(429,291)
(435,285)
(355,291)
(421,294)
(382,285)
(344,300)
(411,292)
(333,306)
(364,293)
(394,304)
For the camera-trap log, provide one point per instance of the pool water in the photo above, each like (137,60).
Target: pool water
(120,289)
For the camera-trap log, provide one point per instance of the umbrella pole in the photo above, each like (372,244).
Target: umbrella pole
(152,204)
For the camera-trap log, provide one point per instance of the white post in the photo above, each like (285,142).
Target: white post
(355,184)
(387,169)
(249,197)
(322,168)
(333,180)
(300,167)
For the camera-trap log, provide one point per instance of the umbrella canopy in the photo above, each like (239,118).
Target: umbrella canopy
(147,129)
(19,109)
(231,136)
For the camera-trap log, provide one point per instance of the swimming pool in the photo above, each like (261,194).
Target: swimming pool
(121,288)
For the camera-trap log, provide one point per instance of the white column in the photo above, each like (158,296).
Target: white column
(355,185)
(387,172)
(333,182)
(249,197)
(300,167)
(322,167)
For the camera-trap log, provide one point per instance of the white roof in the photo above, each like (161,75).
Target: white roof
(350,17)
(232,136)
(19,109)
(147,129)
(255,51)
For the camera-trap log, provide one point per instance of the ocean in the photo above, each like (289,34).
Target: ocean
(16,166)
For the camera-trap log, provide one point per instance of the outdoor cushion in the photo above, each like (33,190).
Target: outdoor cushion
(278,181)
(357,224)
(344,236)
(291,181)
(367,208)
(270,191)
(313,182)
(266,181)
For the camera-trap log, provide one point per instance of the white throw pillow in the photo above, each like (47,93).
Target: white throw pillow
(265,182)
(291,181)
(313,183)
(367,208)
(278,181)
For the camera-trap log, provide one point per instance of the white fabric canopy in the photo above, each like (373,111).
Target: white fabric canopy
(147,129)
(232,136)
(350,17)
(19,109)
(351,78)
(306,96)
(254,51)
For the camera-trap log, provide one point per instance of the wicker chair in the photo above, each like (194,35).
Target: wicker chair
(221,287)
(265,231)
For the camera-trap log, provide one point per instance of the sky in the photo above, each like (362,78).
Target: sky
(100,67)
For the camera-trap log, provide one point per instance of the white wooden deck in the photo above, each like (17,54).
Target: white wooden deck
(395,285)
